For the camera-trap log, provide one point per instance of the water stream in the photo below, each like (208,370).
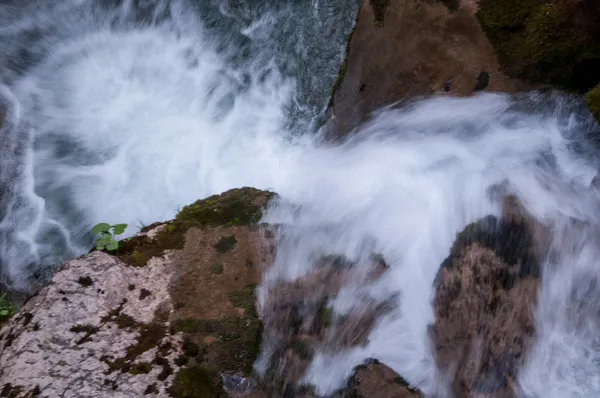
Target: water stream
(124,111)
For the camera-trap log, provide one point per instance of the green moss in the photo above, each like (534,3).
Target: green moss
(88,331)
(554,42)
(216,269)
(196,382)
(140,368)
(324,316)
(190,348)
(245,298)
(592,100)
(302,348)
(150,336)
(235,207)
(225,244)
(187,325)
(124,321)
(151,389)
(85,281)
(242,206)
(11,391)
(237,345)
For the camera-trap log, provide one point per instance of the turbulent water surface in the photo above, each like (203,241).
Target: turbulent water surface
(125,111)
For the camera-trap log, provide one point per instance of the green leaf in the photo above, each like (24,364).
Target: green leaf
(102,227)
(4,313)
(104,238)
(118,229)
(99,246)
(112,245)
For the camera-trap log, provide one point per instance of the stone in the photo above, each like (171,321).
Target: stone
(406,49)
(151,319)
(486,292)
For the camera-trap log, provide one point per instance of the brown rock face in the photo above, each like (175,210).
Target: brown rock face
(402,49)
(486,291)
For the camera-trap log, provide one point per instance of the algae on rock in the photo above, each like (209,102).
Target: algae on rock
(556,42)
(592,100)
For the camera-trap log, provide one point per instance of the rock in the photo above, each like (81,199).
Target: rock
(486,291)
(156,318)
(592,100)
(375,380)
(555,43)
(299,321)
(402,49)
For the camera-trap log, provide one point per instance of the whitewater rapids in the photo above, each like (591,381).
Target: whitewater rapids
(119,113)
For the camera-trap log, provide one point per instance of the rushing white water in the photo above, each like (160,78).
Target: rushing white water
(122,116)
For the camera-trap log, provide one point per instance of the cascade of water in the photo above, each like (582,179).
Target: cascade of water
(123,111)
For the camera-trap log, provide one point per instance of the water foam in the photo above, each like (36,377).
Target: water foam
(127,121)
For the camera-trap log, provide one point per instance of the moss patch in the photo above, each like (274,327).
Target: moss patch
(87,330)
(196,382)
(236,207)
(85,281)
(554,42)
(379,8)
(214,346)
(150,336)
(151,389)
(592,100)
(245,298)
(225,244)
(216,268)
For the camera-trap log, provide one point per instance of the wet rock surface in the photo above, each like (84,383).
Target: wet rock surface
(299,319)
(404,49)
(486,292)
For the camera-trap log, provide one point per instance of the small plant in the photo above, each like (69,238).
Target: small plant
(6,310)
(107,240)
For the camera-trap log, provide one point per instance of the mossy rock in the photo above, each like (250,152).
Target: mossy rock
(243,206)
(592,100)
(554,42)
(196,382)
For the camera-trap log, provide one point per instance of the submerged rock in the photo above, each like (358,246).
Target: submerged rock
(155,318)
(404,49)
(486,291)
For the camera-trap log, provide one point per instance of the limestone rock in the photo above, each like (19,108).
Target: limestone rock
(401,49)
(172,313)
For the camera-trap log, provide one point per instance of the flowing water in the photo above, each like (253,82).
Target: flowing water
(124,111)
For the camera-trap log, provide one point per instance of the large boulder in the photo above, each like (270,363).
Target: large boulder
(401,49)
(486,292)
(171,313)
